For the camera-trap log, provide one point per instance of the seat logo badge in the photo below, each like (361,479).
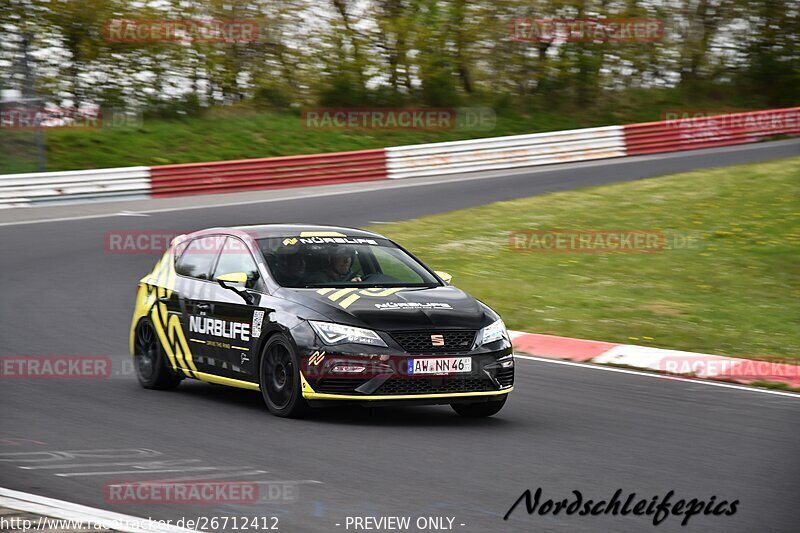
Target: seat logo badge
(316,358)
(437,340)
(244,358)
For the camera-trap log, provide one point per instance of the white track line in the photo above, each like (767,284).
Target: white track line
(379,185)
(31,503)
(141,471)
(145,464)
(658,376)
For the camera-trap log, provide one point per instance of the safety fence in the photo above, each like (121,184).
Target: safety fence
(709,132)
(499,153)
(505,152)
(22,190)
(270,173)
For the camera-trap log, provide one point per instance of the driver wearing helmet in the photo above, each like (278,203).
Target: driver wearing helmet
(340,263)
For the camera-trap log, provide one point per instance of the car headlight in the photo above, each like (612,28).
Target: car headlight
(332,334)
(494,332)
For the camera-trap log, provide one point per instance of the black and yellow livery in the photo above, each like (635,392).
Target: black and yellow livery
(313,315)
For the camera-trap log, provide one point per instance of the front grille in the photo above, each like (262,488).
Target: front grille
(434,386)
(420,342)
(505,376)
(338,385)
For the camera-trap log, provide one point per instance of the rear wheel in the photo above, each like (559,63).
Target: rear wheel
(150,362)
(479,410)
(280,378)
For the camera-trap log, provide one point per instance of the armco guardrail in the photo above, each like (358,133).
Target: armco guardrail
(276,172)
(708,132)
(18,190)
(517,151)
(505,152)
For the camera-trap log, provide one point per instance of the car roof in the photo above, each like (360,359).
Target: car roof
(263,231)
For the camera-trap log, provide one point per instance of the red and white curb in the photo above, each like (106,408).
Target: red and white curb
(670,362)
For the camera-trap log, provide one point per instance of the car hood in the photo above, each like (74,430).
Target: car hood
(395,309)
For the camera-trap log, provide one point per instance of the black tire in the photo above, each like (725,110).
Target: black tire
(479,410)
(279,378)
(150,361)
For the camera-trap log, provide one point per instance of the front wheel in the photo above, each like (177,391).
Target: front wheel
(479,410)
(280,378)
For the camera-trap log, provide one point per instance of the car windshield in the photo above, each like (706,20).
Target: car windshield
(297,261)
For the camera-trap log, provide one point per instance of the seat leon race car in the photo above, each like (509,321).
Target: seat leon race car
(315,315)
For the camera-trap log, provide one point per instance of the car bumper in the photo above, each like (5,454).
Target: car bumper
(384,382)
(322,400)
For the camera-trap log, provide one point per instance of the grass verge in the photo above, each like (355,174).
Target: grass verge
(241,133)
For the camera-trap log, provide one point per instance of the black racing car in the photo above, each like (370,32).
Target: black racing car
(314,315)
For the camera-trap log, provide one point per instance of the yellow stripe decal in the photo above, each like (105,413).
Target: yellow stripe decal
(321,234)
(219,380)
(160,284)
(304,386)
(349,300)
(162,337)
(338,294)
(182,353)
(378,292)
(240,348)
(323,292)
(188,357)
(197,340)
(309,394)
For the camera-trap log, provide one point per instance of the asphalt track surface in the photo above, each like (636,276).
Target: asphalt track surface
(564,428)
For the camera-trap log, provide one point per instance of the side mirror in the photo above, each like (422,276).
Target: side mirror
(236,281)
(447,278)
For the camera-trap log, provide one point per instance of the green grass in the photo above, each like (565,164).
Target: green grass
(736,294)
(241,132)
(232,136)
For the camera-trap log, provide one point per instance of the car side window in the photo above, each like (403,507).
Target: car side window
(197,259)
(235,257)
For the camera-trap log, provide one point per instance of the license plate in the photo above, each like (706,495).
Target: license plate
(440,365)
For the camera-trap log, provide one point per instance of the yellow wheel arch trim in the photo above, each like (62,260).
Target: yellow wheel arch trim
(310,394)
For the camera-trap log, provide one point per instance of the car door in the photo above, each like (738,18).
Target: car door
(194,269)
(239,321)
